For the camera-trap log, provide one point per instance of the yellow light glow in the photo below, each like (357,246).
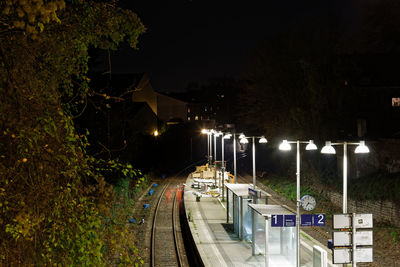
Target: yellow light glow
(155,133)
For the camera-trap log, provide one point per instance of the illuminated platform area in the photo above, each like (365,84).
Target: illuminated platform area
(218,243)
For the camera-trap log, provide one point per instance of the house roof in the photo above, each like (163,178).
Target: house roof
(116,84)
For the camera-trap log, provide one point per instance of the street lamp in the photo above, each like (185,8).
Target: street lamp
(360,149)
(329,149)
(234,154)
(285,146)
(262,140)
(208,132)
(224,136)
(244,140)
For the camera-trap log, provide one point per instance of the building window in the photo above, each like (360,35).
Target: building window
(395,101)
(196,118)
(188,118)
(205,109)
(188,110)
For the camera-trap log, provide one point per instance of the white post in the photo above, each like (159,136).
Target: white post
(344,177)
(266,241)
(254,165)
(215,150)
(223,169)
(354,264)
(234,158)
(208,149)
(298,205)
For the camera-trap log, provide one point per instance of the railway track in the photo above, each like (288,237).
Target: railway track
(167,247)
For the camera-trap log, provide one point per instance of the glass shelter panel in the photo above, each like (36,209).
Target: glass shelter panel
(236,216)
(247,226)
(260,234)
(230,201)
(282,245)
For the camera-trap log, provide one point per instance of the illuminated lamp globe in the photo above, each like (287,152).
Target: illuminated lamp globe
(285,146)
(311,146)
(361,148)
(263,140)
(244,141)
(328,148)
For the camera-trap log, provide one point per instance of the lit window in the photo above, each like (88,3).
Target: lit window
(395,101)
(188,110)
(205,109)
(188,118)
(196,118)
(222,96)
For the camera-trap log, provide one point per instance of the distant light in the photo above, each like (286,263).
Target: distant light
(361,148)
(241,136)
(263,140)
(311,146)
(204,131)
(155,133)
(227,136)
(244,141)
(285,146)
(328,148)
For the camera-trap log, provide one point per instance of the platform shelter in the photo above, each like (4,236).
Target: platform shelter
(275,238)
(237,209)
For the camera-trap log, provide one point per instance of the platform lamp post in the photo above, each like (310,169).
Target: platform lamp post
(244,140)
(360,149)
(208,132)
(329,149)
(215,134)
(262,140)
(285,146)
(224,136)
(234,154)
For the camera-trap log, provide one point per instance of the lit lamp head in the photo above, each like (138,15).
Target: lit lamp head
(311,146)
(241,136)
(244,140)
(285,146)
(263,140)
(204,131)
(155,133)
(227,136)
(328,148)
(361,148)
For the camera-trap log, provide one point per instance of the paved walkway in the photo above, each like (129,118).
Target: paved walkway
(218,245)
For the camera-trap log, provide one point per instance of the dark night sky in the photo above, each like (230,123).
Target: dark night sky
(197,40)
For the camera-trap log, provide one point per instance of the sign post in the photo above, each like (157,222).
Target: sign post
(353,243)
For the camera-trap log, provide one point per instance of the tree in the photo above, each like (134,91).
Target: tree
(52,202)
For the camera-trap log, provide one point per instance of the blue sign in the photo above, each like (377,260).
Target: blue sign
(290,220)
(253,192)
(306,219)
(276,220)
(319,219)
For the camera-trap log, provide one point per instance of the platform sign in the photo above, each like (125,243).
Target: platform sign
(290,220)
(306,220)
(254,193)
(276,220)
(342,239)
(344,255)
(319,220)
(341,221)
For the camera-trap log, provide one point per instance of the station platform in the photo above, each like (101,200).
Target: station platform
(216,241)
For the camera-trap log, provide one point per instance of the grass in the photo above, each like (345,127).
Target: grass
(379,185)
